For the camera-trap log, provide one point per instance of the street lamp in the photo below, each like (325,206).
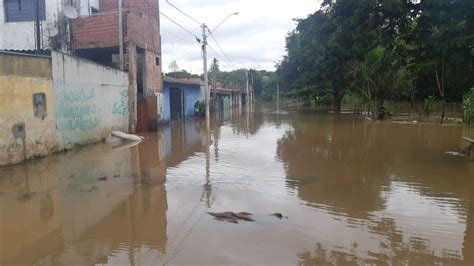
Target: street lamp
(226,18)
(250,99)
(204,53)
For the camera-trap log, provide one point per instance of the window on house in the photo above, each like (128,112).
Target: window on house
(157,61)
(23,10)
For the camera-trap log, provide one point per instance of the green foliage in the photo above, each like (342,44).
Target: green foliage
(468,107)
(181,74)
(263,82)
(382,111)
(381,50)
(429,106)
(352,99)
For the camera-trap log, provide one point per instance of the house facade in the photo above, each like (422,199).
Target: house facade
(179,98)
(126,37)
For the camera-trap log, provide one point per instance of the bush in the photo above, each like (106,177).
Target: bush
(352,99)
(383,111)
(468,107)
(429,106)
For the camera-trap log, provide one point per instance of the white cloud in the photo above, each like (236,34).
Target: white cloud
(253,39)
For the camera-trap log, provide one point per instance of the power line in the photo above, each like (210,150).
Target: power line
(182,12)
(218,58)
(181,27)
(172,29)
(186,23)
(222,50)
(175,35)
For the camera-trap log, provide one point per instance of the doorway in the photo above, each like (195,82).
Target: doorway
(176,104)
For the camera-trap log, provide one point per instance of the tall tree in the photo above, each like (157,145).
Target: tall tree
(173,66)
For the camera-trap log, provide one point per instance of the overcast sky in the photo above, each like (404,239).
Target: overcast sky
(253,39)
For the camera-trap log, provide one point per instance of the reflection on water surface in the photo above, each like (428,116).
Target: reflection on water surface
(354,192)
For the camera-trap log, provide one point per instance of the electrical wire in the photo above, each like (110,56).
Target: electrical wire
(222,50)
(172,31)
(216,55)
(182,12)
(181,27)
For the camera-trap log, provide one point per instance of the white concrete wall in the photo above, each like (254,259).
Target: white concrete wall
(21,35)
(90,100)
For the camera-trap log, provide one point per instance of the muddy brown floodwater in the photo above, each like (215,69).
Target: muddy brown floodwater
(355,192)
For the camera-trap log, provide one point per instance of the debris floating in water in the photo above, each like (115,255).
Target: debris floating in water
(455,153)
(126,137)
(232,217)
(278,215)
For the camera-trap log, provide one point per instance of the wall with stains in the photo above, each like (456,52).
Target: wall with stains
(90,100)
(26,108)
(49,104)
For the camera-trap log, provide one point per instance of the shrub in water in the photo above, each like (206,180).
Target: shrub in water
(429,106)
(468,107)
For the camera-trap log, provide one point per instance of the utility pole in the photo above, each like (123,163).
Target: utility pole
(206,77)
(37,27)
(247,99)
(278,97)
(204,51)
(253,90)
(121,52)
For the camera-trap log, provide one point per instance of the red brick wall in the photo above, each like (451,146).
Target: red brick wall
(96,31)
(153,72)
(142,25)
(144,31)
(147,7)
(108,5)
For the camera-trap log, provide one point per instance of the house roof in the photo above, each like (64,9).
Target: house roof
(182,81)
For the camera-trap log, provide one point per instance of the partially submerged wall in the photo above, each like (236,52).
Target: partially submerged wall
(26,108)
(91,100)
(50,104)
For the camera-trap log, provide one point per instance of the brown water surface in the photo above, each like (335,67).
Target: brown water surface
(354,191)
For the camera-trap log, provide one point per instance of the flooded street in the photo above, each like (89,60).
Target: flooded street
(354,192)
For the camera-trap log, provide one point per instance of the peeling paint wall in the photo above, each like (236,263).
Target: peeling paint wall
(90,100)
(48,104)
(25,133)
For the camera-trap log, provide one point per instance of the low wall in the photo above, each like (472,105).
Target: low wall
(91,100)
(48,104)
(26,108)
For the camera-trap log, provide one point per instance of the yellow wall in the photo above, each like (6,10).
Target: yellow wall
(20,77)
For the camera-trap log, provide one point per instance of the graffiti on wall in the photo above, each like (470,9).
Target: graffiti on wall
(121,107)
(76,110)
